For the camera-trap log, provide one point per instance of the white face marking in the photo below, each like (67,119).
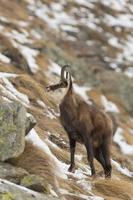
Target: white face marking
(67,76)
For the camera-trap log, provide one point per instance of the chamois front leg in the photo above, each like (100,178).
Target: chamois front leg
(72,153)
(90,155)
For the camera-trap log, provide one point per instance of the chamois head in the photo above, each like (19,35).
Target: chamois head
(64,80)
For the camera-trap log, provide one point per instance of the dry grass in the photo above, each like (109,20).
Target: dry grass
(59,153)
(14,10)
(36,162)
(34,89)
(114,189)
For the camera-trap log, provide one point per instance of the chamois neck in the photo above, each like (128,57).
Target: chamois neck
(70,86)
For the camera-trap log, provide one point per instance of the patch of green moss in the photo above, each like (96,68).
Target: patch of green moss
(27,180)
(7,196)
(35,183)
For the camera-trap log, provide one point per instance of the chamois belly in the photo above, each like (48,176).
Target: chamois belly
(70,128)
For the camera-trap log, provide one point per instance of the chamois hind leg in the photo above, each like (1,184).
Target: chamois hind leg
(72,153)
(106,155)
(99,156)
(90,156)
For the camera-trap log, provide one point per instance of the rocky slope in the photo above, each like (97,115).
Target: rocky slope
(37,37)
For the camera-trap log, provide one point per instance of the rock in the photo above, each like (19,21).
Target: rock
(36,183)
(30,123)
(12,129)
(10,191)
(121,87)
(12,173)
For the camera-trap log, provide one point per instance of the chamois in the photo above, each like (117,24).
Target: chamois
(86,124)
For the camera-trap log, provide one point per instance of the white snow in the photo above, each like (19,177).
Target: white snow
(124,170)
(117,5)
(20,37)
(82,91)
(114,42)
(35,139)
(120,140)
(82,196)
(58,16)
(30,56)
(108,105)
(86,185)
(85,3)
(18,40)
(7,75)
(69,28)
(35,34)
(4,58)
(9,91)
(23,23)
(54,68)
(41,103)
(50,115)
(78,174)
(81,173)
(122,20)
(1,28)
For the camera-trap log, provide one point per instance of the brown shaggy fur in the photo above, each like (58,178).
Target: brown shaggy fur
(86,124)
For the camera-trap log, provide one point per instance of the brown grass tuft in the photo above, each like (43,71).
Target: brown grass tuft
(114,189)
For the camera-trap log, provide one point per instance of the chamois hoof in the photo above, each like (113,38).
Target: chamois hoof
(71,169)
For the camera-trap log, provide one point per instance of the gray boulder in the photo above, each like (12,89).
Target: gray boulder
(12,129)
(30,123)
(11,191)
(12,173)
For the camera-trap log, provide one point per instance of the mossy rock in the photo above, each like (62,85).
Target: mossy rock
(36,183)
(12,129)
(12,173)
(10,191)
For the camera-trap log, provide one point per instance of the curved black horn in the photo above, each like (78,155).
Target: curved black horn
(63,70)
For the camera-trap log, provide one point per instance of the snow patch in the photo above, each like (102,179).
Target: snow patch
(85,3)
(7,75)
(30,56)
(82,91)
(4,58)
(108,105)
(54,68)
(28,53)
(50,115)
(120,140)
(20,37)
(124,170)
(35,139)
(35,34)
(117,5)
(82,196)
(41,103)
(9,91)
(58,15)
